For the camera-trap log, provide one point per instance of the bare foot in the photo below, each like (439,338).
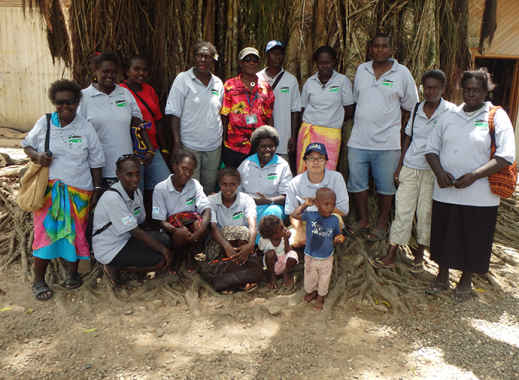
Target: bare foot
(273,284)
(288,280)
(309,297)
(319,302)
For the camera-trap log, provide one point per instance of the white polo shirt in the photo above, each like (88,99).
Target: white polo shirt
(198,108)
(378,116)
(423,126)
(124,213)
(75,149)
(463,144)
(300,188)
(168,201)
(287,100)
(324,105)
(271,180)
(243,208)
(111,117)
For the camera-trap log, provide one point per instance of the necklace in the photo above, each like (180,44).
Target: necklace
(252,84)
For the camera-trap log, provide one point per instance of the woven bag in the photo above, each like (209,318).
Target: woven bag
(503,182)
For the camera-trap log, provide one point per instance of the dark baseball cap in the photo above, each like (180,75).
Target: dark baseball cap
(316,147)
(274,44)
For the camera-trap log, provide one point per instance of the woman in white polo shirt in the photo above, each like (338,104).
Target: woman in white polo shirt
(117,240)
(306,184)
(327,100)
(112,110)
(464,210)
(265,175)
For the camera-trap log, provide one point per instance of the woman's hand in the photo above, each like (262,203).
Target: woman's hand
(261,199)
(396,176)
(43,158)
(465,181)
(242,253)
(445,179)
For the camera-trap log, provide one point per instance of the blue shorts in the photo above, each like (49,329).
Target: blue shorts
(157,171)
(382,163)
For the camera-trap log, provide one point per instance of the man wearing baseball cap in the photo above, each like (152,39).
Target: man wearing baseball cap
(287,104)
(247,105)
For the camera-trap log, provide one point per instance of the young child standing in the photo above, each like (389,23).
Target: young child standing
(278,255)
(322,233)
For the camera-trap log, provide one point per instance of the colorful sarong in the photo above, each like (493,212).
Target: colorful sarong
(60,225)
(185,218)
(330,137)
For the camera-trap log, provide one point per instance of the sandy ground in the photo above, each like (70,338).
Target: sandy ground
(146,333)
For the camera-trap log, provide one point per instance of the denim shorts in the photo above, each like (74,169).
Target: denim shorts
(157,171)
(382,164)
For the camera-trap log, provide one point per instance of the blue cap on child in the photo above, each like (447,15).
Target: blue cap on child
(316,147)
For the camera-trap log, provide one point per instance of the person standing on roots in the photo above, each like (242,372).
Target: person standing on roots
(385,93)
(414,176)
(287,103)
(75,159)
(194,103)
(464,211)
(247,104)
(327,101)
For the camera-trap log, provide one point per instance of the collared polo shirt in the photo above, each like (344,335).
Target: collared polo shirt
(168,201)
(75,149)
(243,208)
(111,115)
(378,115)
(422,128)
(287,100)
(463,144)
(246,110)
(324,105)
(300,188)
(271,180)
(198,108)
(124,213)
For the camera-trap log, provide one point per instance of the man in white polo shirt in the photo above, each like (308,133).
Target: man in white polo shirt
(287,103)
(194,103)
(385,92)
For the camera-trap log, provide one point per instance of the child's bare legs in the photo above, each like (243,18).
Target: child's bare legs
(318,273)
(288,275)
(270,260)
(319,302)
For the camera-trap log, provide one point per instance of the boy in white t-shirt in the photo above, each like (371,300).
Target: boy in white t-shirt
(278,255)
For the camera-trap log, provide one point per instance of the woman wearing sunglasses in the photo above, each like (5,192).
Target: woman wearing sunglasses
(247,104)
(75,159)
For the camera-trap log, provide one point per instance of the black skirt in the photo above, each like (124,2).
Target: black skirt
(462,236)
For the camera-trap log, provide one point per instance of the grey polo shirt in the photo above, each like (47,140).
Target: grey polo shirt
(287,100)
(271,180)
(463,144)
(124,213)
(75,149)
(243,208)
(168,201)
(422,128)
(324,105)
(111,117)
(378,115)
(198,108)
(300,188)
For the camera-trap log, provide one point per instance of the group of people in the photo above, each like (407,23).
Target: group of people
(222,186)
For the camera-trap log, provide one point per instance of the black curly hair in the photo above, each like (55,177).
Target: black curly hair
(268,226)
(64,85)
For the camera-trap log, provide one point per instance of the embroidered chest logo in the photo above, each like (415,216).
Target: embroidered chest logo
(388,83)
(284,89)
(334,89)
(237,215)
(272,176)
(120,103)
(190,201)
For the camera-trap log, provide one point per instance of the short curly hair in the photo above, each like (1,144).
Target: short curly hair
(106,57)
(268,226)
(205,44)
(228,171)
(263,132)
(64,85)
(479,75)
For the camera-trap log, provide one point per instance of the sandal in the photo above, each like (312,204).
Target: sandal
(250,286)
(416,267)
(73,281)
(379,263)
(377,234)
(436,288)
(460,296)
(355,229)
(41,291)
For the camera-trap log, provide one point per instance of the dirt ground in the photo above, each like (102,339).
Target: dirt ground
(147,332)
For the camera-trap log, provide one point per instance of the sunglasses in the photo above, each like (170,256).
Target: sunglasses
(125,157)
(251,58)
(68,102)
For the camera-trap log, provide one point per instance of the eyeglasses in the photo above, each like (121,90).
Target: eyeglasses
(315,159)
(68,102)
(125,157)
(251,58)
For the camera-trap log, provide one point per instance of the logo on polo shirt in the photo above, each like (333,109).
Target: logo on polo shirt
(74,139)
(388,83)
(120,103)
(214,91)
(480,123)
(272,176)
(334,89)
(127,220)
(190,201)
(237,215)
(137,211)
(284,89)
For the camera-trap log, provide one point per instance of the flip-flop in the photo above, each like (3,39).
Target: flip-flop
(250,286)
(460,296)
(436,288)
(72,282)
(379,263)
(355,229)
(416,267)
(41,291)
(376,234)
